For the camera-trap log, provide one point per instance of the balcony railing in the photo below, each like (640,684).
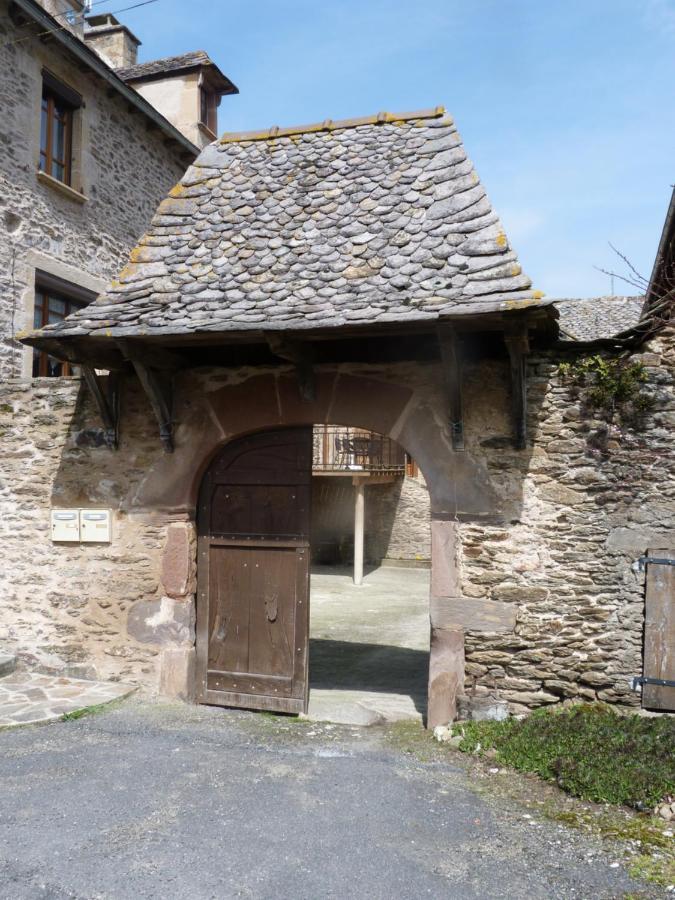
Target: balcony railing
(339,449)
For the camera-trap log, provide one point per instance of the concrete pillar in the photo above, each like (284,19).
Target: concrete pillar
(359,528)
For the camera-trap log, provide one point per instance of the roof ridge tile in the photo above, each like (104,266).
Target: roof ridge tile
(381,118)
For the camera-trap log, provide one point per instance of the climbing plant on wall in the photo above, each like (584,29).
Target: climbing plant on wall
(609,388)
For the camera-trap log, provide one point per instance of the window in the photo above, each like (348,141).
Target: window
(54,300)
(59,106)
(208,110)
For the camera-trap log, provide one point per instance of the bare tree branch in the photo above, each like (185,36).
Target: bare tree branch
(630,281)
(641,278)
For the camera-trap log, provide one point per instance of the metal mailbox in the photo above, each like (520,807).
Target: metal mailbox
(95,526)
(66,525)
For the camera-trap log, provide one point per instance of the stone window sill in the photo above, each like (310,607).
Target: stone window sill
(59,186)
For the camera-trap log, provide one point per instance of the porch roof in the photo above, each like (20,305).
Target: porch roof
(379,222)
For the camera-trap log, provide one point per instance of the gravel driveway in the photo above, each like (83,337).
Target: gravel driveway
(171,801)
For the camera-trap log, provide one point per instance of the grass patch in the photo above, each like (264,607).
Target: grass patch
(93,710)
(656,868)
(589,750)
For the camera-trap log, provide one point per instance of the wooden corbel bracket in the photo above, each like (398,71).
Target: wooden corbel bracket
(518,345)
(302,357)
(107,403)
(158,387)
(451,363)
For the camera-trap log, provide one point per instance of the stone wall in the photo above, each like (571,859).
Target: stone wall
(566,560)
(122,169)
(64,607)
(567,520)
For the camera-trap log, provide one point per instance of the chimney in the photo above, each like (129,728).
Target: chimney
(113,42)
(68,13)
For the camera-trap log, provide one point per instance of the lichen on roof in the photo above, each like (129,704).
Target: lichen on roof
(362,222)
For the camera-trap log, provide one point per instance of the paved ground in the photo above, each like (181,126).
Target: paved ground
(28,697)
(369,647)
(169,801)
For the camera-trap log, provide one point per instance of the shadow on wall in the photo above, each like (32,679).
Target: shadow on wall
(376,668)
(333,521)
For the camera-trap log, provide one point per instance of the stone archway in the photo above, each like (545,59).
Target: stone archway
(215,406)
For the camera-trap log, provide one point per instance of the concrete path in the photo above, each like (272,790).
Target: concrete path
(369,645)
(168,801)
(27,698)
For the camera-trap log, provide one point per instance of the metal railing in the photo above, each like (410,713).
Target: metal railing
(341,449)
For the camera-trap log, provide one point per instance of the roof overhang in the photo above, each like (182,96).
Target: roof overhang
(93,62)
(217,80)
(104,350)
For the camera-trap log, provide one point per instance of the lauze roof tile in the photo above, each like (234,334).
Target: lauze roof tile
(366,221)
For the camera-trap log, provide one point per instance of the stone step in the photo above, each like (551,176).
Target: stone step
(7,663)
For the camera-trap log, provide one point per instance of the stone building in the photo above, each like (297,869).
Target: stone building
(351,273)
(86,159)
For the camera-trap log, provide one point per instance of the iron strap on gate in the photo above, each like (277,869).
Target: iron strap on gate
(639,564)
(661,682)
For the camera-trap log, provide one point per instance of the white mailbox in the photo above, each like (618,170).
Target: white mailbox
(95,526)
(66,525)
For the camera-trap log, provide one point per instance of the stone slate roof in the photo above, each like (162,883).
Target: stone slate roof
(169,65)
(366,221)
(597,318)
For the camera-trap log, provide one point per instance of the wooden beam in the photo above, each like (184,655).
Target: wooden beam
(302,356)
(451,363)
(517,343)
(156,357)
(108,403)
(158,388)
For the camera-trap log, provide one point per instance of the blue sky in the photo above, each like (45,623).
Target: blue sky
(565,106)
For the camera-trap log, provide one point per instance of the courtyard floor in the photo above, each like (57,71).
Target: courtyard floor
(369,645)
(165,800)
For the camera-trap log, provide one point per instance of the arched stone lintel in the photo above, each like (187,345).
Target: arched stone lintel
(211,411)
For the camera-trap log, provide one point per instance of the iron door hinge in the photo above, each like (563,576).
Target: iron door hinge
(640,564)
(660,682)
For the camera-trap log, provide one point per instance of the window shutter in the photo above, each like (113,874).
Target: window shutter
(659,659)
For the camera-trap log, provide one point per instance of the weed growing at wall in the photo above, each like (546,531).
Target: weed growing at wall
(609,388)
(589,750)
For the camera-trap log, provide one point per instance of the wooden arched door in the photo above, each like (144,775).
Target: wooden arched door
(253,573)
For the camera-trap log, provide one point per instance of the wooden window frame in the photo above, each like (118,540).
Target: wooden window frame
(58,104)
(49,287)
(208,109)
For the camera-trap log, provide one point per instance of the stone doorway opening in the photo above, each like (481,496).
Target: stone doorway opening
(369,590)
